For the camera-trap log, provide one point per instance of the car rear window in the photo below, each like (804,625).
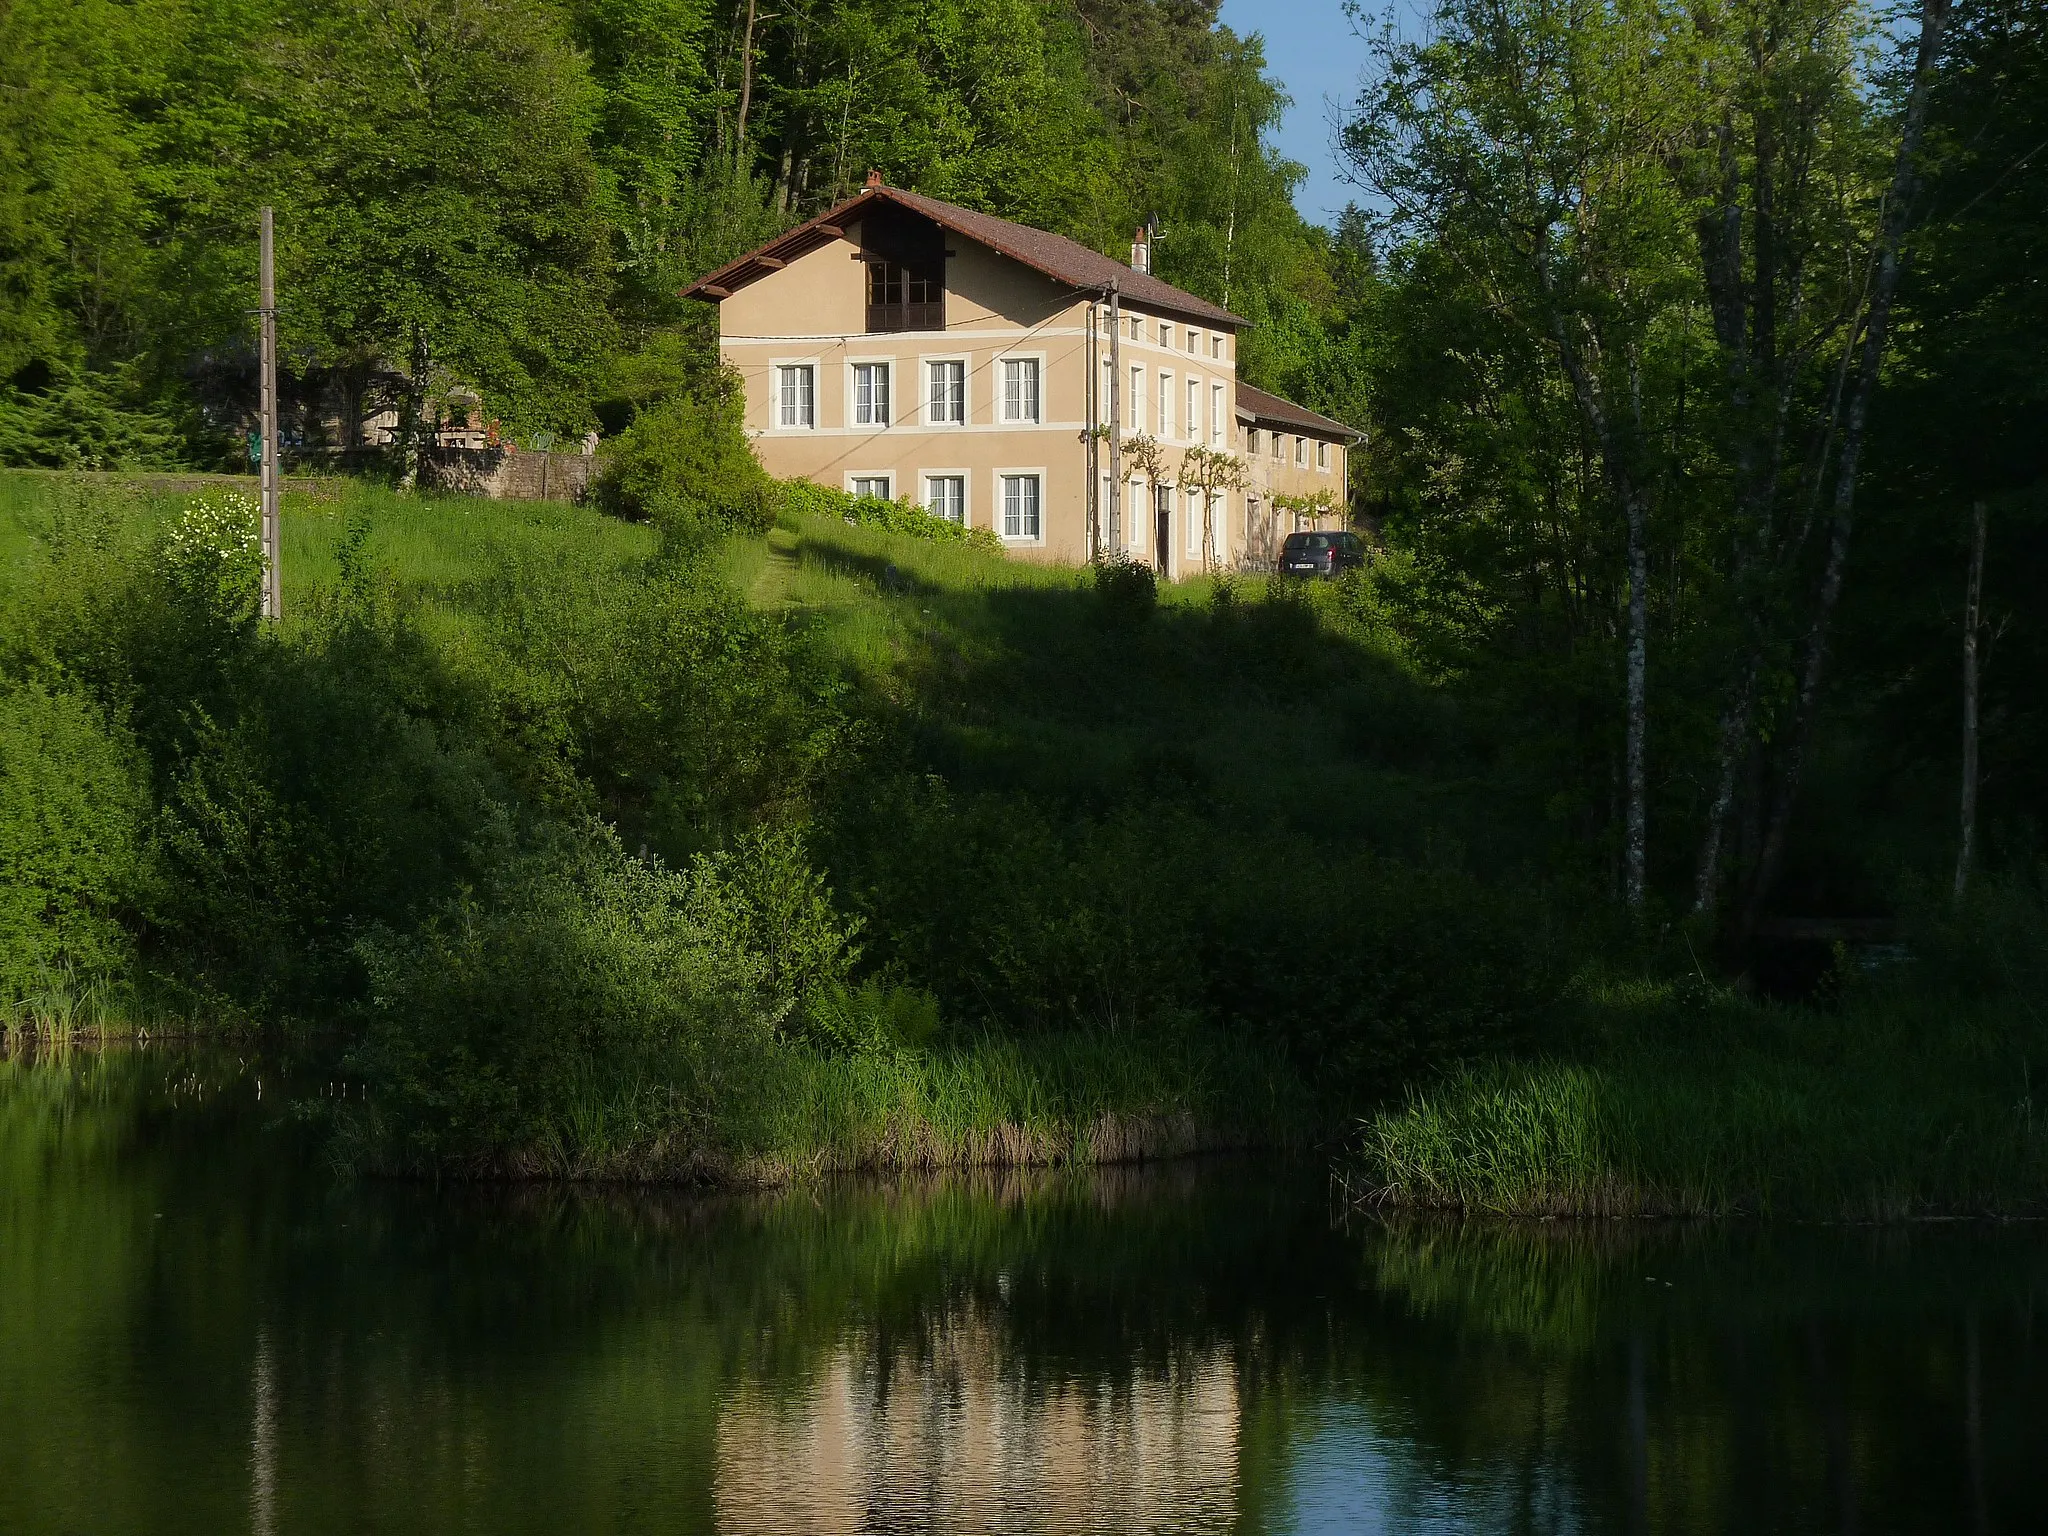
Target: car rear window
(1296,542)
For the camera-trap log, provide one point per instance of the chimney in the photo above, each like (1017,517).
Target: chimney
(874,180)
(1141,250)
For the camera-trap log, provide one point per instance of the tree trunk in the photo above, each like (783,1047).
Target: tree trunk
(1966,846)
(1636,850)
(413,408)
(1733,749)
(746,78)
(1934,16)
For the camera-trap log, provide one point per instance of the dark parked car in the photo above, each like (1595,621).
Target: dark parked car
(1321,554)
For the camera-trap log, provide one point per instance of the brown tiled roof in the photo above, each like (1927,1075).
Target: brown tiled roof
(1257,405)
(1063,260)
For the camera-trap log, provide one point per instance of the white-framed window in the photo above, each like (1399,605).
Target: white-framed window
(1020,389)
(945,396)
(1193,423)
(1251,441)
(1133,530)
(1323,457)
(1102,405)
(1162,512)
(1165,334)
(1194,340)
(1194,523)
(945,495)
(876,486)
(1301,453)
(1165,406)
(1137,328)
(1022,501)
(871,394)
(1216,415)
(796,395)
(1135,408)
(1216,345)
(1279,441)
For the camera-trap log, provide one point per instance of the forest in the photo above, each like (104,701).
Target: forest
(1687,719)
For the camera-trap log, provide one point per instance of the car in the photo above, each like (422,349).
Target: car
(1321,554)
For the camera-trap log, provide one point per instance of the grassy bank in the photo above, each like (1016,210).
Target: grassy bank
(618,851)
(1076,1100)
(1893,1104)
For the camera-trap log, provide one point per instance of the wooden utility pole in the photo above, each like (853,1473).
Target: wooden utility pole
(273,575)
(1116,417)
(1972,622)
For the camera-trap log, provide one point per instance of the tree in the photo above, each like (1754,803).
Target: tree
(1527,141)
(1211,474)
(401,113)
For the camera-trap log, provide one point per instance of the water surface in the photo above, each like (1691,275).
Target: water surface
(202,1330)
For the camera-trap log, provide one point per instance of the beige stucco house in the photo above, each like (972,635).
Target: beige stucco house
(1014,380)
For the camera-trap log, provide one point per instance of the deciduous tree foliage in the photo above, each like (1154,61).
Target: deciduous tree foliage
(508,195)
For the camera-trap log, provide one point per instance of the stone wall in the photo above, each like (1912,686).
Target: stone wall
(505,475)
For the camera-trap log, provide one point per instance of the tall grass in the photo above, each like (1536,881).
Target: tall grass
(433,545)
(1054,1101)
(1893,1105)
(1084,1098)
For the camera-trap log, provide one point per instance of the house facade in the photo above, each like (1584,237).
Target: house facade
(1014,380)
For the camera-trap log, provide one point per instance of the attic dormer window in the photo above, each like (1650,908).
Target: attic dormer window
(902,300)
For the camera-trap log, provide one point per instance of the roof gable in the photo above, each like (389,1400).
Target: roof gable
(1055,256)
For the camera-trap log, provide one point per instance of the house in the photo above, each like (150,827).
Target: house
(1014,380)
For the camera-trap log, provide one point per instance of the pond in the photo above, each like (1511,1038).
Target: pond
(202,1329)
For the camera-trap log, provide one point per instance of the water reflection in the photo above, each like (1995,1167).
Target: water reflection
(200,1330)
(953,1435)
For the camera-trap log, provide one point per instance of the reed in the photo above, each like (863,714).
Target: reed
(1892,1105)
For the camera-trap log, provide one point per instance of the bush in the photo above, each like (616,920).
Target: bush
(686,460)
(84,421)
(73,794)
(801,498)
(1127,589)
(652,691)
(584,1007)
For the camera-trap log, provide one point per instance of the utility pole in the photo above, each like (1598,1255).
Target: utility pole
(1093,392)
(273,575)
(1116,417)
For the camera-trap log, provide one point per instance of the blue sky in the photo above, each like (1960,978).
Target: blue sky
(1310,47)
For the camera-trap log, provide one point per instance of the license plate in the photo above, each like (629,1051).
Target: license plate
(1302,565)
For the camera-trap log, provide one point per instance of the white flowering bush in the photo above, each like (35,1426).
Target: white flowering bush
(212,556)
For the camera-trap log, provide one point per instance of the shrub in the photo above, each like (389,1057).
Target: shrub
(686,459)
(72,798)
(82,420)
(802,498)
(652,690)
(585,1005)
(1127,589)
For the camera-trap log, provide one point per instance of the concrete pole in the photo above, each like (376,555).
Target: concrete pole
(273,574)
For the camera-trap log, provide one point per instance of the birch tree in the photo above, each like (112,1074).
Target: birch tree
(1528,141)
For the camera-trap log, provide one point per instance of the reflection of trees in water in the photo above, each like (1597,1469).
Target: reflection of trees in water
(1198,1337)
(1724,1376)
